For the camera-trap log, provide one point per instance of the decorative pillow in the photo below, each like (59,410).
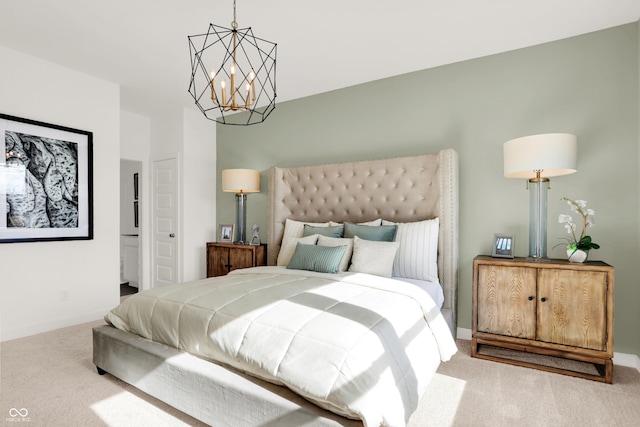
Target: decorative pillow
(330,231)
(373,257)
(288,247)
(294,228)
(375,222)
(382,233)
(323,259)
(417,256)
(332,241)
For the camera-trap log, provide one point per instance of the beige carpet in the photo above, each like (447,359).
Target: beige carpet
(51,376)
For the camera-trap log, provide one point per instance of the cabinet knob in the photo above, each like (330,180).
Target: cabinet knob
(543,299)
(530,298)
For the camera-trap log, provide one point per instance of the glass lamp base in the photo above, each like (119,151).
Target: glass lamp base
(538,259)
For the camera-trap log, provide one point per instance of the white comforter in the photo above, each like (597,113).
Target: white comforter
(359,345)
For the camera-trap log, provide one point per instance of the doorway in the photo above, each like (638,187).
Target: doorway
(130,225)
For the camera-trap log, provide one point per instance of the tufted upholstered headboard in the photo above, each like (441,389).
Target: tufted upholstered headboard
(401,189)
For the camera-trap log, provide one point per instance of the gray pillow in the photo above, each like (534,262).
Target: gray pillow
(323,259)
(382,233)
(330,231)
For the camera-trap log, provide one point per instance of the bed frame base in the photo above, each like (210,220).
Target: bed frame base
(208,392)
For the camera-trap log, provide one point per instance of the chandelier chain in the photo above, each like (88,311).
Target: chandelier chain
(234,23)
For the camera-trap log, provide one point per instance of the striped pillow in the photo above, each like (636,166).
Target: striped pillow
(323,259)
(332,241)
(417,257)
(289,246)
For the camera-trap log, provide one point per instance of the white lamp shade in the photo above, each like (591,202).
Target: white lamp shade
(553,154)
(240,181)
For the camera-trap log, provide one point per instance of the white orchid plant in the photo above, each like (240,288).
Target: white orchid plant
(583,242)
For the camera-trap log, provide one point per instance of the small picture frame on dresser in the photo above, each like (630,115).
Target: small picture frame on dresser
(225,234)
(503,246)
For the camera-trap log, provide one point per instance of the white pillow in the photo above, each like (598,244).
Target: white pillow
(288,247)
(335,241)
(417,256)
(373,257)
(294,228)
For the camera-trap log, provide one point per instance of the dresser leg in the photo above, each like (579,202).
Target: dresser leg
(474,347)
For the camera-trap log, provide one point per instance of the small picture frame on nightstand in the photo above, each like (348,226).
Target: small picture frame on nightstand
(226,233)
(503,245)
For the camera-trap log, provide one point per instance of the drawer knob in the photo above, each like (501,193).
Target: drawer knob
(543,299)
(530,298)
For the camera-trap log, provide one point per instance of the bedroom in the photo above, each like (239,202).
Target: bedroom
(587,84)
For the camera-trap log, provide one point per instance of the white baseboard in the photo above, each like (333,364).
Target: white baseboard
(621,359)
(50,325)
(464,334)
(630,360)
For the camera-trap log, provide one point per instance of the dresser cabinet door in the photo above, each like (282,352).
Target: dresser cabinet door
(507,300)
(240,258)
(572,308)
(218,261)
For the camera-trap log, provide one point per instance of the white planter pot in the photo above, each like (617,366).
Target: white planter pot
(577,256)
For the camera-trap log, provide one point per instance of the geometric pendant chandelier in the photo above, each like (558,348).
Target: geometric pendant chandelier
(233,74)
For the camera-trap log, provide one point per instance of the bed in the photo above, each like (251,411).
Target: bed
(356,197)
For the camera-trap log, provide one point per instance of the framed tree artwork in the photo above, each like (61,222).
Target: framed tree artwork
(46,179)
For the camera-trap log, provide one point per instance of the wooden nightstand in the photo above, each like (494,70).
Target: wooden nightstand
(225,257)
(558,308)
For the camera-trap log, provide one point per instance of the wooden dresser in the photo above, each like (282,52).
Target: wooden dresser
(225,257)
(557,308)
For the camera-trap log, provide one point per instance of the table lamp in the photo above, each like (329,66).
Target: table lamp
(241,182)
(536,158)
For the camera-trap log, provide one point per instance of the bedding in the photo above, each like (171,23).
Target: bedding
(417,256)
(329,231)
(289,247)
(323,259)
(272,323)
(432,288)
(333,241)
(373,257)
(381,233)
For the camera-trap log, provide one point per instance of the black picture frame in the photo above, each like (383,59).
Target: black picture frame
(135,186)
(503,245)
(46,182)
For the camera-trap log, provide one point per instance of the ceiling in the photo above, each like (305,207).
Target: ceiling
(322,45)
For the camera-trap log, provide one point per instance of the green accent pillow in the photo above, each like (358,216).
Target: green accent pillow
(330,231)
(323,259)
(382,233)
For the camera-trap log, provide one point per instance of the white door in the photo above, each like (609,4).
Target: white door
(165,222)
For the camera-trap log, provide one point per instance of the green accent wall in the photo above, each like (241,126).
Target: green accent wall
(586,85)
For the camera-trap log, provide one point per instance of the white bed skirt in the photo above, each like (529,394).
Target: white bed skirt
(208,392)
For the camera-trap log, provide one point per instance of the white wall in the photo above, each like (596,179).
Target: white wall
(36,275)
(199,192)
(188,136)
